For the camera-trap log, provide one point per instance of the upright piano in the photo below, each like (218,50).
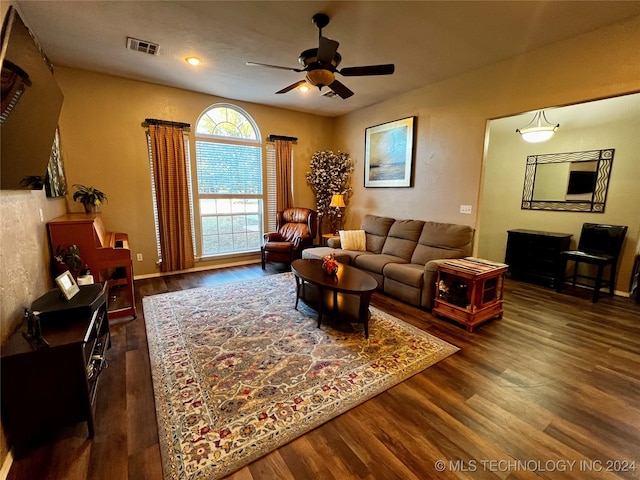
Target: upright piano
(107,255)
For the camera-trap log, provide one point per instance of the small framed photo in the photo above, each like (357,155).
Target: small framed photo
(388,155)
(67,284)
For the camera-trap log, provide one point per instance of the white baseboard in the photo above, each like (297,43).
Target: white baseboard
(6,465)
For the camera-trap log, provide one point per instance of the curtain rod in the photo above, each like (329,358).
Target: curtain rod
(167,123)
(272,138)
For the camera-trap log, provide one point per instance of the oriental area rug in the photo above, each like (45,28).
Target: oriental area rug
(238,372)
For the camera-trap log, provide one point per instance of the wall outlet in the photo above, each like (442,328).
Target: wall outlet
(466,209)
(139,257)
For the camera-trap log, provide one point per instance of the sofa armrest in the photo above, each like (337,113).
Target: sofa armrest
(334,242)
(432,265)
(297,242)
(273,237)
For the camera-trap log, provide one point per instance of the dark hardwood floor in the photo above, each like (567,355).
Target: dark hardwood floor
(555,381)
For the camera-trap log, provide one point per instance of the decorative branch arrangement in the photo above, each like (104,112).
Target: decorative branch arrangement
(330,174)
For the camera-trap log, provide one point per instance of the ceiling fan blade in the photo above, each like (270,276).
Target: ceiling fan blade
(327,50)
(254,64)
(340,89)
(291,87)
(386,69)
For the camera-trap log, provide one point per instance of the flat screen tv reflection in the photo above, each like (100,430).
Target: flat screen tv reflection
(30,108)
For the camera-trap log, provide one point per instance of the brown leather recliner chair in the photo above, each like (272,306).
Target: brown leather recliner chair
(296,229)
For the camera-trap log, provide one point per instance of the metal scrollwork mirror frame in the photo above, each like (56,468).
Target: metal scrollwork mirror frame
(596,204)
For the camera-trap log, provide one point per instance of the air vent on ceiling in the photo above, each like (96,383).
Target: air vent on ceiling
(142,46)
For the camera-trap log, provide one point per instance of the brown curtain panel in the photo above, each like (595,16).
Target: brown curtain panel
(172,197)
(284,195)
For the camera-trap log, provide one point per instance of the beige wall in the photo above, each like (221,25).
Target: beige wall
(505,166)
(104,145)
(452,118)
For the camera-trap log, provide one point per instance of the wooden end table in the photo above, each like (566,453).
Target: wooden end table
(469,290)
(349,280)
(328,236)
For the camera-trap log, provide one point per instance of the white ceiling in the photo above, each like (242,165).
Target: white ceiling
(428,41)
(575,117)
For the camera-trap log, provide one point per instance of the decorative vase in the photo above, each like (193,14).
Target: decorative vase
(88,208)
(330,265)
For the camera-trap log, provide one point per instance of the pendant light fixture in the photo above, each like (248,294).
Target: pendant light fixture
(539,129)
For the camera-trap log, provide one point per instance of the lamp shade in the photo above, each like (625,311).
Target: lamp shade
(538,130)
(337,200)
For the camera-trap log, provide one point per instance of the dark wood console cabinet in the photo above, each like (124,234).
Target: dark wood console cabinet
(48,388)
(533,256)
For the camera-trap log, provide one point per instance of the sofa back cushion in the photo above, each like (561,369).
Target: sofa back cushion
(443,240)
(376,229)
(402,238)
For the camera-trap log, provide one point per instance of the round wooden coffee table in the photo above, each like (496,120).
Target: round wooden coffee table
(349,280)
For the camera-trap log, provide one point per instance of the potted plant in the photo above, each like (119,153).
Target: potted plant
(90,197)
(68,258)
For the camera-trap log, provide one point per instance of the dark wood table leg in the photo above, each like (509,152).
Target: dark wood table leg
(365,299)
(320,304)
(297,291)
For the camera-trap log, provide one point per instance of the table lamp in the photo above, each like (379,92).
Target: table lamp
(337,201)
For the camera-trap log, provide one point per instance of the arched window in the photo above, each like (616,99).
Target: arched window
(227,121)
(230,186)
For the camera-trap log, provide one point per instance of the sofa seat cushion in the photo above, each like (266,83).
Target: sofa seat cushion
(405,273)
(376,263)
(317,253)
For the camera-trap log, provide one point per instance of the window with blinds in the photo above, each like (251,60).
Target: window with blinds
(230,184)
(272,201)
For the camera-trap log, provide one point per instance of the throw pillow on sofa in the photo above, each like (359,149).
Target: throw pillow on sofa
(353,240)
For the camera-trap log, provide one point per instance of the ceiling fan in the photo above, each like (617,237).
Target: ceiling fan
(320,64)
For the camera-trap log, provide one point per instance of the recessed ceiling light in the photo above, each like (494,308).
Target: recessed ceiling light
(193,61)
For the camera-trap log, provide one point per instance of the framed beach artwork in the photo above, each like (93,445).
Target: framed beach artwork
(388,156)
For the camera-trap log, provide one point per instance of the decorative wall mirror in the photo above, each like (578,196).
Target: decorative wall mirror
(575,181)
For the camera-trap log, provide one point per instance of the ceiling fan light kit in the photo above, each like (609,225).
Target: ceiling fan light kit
(320,65)
(320,77)
(536,131)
